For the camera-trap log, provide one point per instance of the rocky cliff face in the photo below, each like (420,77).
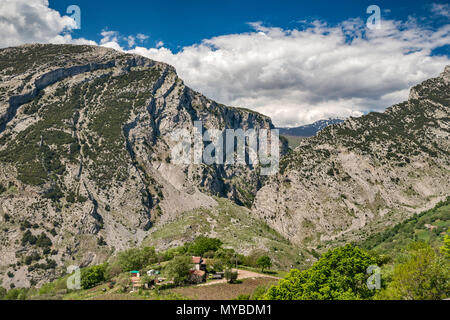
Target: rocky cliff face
(84,155)
(364,174)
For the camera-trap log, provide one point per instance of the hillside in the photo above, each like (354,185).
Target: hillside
(85,145)
(85,170)
(429,226)
(237,229)
(364,175)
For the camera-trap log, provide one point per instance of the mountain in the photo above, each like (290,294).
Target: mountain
(365,174)
(85,145)
(308,130)
(86,138)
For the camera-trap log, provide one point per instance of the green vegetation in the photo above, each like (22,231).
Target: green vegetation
(202,244)
(90,277)
(423,276)
(175,264)
(428,226)
(445,249)
(2,188)
(231,275)
(264,262)
(136,259)
(412,267)
(178,269)
(236,229)
(339,275)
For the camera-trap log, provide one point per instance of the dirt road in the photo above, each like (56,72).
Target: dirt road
(242,274)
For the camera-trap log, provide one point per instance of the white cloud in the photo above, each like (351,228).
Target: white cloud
(30,21)
(441,9)
(141,37)
(299,76)
(131,41)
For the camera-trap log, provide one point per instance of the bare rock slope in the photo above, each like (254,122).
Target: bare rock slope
(367,173)
(84,155)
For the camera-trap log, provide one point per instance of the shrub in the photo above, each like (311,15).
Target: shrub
(2,188)
(90,277)
(264,262)
(179,268)
(339,275)
(259,292)
(136,259)
(202,244)
(231,275)
(43,241)
(424,276)
(28,238)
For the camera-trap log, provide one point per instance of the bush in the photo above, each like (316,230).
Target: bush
(3,292)
(16,294)
(231,275)
(424,276)
(179,268)
(216,265)
(202,244)
(43,241)
(264,262)
(339,275)
(229,257)
(90,277)
(28,238)
(113,270)
(136,259)
(259,292)
(2,188)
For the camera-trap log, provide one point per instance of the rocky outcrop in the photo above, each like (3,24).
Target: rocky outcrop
(85,145)
(362,175)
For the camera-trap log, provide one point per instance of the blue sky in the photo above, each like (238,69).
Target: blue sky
(180,23)
(296,61)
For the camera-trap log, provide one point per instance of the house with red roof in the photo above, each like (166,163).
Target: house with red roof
(198,272)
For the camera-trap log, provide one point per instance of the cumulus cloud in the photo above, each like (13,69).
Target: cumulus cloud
(30,21)
(299,76)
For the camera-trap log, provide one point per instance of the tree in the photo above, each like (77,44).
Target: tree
(179,268)
(136,259)
(424,276)
(202,244)
(90,277)
(231,275)
(445,249)
(339,275)
(229,257)
(264,262)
